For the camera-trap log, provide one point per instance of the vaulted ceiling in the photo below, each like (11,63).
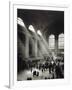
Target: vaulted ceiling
(49,22)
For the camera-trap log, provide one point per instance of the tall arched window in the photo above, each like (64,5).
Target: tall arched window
(51,41)
(20,22)
(61,41)
(31,28)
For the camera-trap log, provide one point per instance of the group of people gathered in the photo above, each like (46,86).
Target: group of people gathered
(55,67)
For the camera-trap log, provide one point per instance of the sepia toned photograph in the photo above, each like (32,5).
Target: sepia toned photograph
(40,44)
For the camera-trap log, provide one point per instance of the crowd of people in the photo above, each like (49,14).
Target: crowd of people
(55,67)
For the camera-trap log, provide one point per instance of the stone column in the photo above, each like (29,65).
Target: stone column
(34,47)
(26,46)
(56,44)
(48,41)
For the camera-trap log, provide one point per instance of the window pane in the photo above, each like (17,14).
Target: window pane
(61,41)
(51,41)
(31,28)
(20,21)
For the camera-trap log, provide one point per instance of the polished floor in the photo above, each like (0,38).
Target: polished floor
(24,75)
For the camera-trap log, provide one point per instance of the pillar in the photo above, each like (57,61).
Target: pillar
(34,47)
(26,46)
(56,44)
(48,41)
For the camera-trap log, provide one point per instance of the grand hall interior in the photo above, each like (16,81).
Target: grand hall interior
(40,44)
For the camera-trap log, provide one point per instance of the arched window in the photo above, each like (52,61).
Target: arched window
(20,22)
(51,41)
(61,41)
(31,28)
(39,33)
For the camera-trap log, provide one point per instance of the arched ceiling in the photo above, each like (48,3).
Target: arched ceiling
(46,21)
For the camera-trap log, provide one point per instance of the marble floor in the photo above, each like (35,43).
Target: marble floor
(29,74)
